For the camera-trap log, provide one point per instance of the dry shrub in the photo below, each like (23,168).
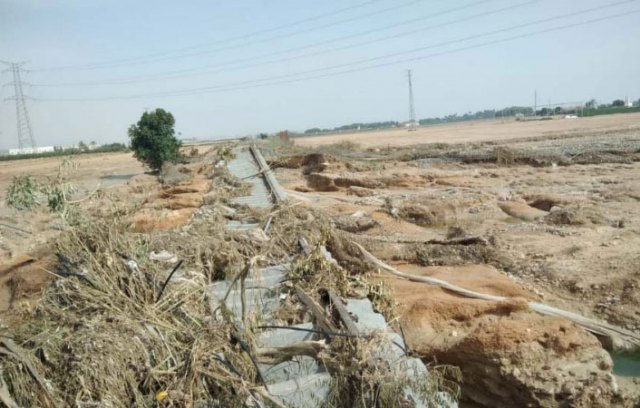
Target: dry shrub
(339,149)
(347,253)
(366,182)
(227,186)
(350,223)
(366,379)
(360,191)
(423,216)
(148,220)
(105,337)
(315,272)
(575,215)
(172,174)
(504,156)
(310,163)
(22,193)
(382,300)
(449,255)
(321,182)
(291,222)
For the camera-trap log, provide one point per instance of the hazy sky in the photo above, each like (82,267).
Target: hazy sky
(243,67)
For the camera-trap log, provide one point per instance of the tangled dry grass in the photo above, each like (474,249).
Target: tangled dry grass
(117,329)
(111,334)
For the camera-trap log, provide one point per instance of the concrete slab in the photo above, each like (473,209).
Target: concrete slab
(307,392)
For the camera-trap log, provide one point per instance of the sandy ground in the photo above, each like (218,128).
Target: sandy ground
(477,131)
(590,268)
(583,259)
(104,169)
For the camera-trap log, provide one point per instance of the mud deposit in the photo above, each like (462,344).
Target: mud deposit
(560,224)
(553,219)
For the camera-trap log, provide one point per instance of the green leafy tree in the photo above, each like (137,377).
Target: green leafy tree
(153,139)
(618,103)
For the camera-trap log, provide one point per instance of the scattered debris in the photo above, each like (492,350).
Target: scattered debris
(352,223)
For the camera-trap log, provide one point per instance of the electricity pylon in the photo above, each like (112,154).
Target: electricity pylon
(25,131)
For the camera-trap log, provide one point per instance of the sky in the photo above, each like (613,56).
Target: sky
(231,68)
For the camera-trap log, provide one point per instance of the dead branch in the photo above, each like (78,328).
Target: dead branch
(616,336)
(316,311)
(5,396)
(277,355)
(469,240)
(11,350)
(346,319)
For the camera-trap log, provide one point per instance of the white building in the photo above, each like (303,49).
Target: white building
(31,150)
(628,103)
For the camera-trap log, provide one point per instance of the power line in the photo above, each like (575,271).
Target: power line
(546,20)
(23,122)
(178,74)
(164,56)
(229,39)
(257,83)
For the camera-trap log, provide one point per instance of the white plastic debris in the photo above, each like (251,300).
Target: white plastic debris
(163,256)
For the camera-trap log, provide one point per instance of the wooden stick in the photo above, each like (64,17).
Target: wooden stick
(343,313)
(277,355)
(85,198)
(316,311)
(468,240)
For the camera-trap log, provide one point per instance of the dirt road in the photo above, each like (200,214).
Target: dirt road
(477,131)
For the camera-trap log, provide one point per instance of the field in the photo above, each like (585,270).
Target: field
(543,211)
(477,131)
(556,200)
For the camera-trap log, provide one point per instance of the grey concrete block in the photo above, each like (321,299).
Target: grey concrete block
(298,367)
(285,337)
(306,392)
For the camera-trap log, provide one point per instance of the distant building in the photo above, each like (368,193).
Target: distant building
(628,103)
(31,150)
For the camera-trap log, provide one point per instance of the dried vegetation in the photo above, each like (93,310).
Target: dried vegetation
(116,328)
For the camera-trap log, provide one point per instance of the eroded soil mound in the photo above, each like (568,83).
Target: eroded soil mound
(336,182)
(23,280)
(180,196)
(521,211)
(509,356)
(309,163)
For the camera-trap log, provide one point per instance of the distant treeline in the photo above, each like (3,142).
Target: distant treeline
(60,151)
(591,108)
(354,126)
(486,114)
(608,111)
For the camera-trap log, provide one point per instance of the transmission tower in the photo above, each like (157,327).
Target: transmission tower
(25,132)
(412,110)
